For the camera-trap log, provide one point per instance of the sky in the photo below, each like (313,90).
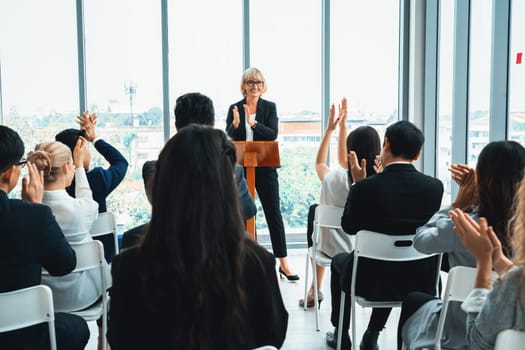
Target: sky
(38,53)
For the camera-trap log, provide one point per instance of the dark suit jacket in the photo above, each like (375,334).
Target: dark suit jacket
(267,122)
(103,181)
(132,325)
(396,202)
(30,239)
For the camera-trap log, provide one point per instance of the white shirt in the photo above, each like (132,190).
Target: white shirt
(249,130)
(77,290)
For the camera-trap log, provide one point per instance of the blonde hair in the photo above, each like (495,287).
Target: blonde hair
(252,73)
(49,157)
(517,223)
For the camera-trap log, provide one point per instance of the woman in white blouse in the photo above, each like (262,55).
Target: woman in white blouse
(75,216)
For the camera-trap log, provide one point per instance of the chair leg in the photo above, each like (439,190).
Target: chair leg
(341,317)
(306,281)
(316,295)
(352,316)
(104,326)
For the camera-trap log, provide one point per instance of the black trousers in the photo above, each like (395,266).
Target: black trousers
(341,268)
(72,333)
(267,186)
(310,225)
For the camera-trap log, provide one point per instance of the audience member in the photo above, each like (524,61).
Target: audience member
(365,142)
(101,181)
(255,119)
(196,108)
(395,202)
(492,307)
(487,191)
(75,216)
(134,236)
(30,239)
(197,281)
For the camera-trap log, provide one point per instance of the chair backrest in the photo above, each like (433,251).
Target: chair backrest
(26,307)
(375,245)
(104,228)
(380,246)
(329,216)
(460,283)
(326,216)
(105,223)
(90,255)
(510,339)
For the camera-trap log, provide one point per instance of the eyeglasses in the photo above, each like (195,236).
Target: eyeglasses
(22,163)
(253,83)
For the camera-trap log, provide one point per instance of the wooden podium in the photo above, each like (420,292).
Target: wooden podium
(253,154)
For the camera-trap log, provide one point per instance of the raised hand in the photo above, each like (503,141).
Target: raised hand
(465,177)
(87,123)
(378,164)
(332,120)
(343,111)
(80,152)
(33,188)
(357,170)
(236,118)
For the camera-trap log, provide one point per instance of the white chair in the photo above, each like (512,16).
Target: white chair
(510,339)
(266,347)
(27,307)
(105,225)
(328,217)
(460,283)
(384,247)
(90,255)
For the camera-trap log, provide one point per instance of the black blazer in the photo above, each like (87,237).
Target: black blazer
(396,202)
(267,122)
(132,325)
(30,239)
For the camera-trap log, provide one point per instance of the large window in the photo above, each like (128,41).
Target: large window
(285,45)
(479,77)
(38,68)
(364,57)
(206,52)
(517,74)
(124,88)
(446,55)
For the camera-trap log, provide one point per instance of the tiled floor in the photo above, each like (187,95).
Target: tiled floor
(301,325)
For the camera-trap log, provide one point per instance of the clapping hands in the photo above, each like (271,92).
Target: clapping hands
(465,177)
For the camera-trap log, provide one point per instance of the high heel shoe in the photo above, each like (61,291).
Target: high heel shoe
(310,300)
(291,278)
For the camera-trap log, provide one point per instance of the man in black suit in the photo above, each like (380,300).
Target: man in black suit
(196,108)
(101,181)
(395,202)
(30,239)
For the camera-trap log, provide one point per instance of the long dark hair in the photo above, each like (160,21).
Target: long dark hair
(193,250)
(499,171)
(365,142)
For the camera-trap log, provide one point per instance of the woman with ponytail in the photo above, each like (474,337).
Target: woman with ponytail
(75,216)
